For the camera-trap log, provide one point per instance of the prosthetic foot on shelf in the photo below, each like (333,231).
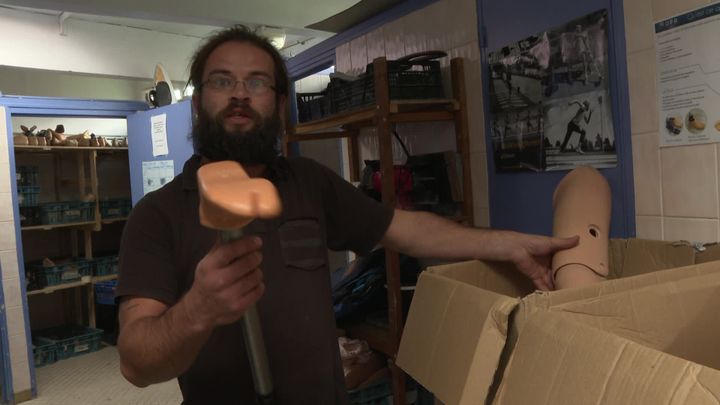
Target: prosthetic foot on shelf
(230,200)
(581,205)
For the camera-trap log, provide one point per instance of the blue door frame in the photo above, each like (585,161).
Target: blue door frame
(522,201)
(45,107)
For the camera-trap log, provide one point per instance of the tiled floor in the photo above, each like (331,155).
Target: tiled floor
(95,379)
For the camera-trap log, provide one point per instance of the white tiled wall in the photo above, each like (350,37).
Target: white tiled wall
(676,189)
(10,271)
(447,25)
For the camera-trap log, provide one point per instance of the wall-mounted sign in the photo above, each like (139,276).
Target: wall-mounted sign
(688,77)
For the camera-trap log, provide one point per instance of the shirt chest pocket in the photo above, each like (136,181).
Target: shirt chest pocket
(302,244)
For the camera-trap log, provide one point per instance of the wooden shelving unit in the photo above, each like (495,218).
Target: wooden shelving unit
(86,183)
(383,115)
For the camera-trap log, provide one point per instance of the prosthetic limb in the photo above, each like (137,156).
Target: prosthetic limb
(581,205)
(229,200)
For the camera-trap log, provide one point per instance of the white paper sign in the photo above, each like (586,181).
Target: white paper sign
(156,174)
(688,77)
(158,126)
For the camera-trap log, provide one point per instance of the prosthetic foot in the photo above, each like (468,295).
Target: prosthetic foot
(229,200)
(581,205)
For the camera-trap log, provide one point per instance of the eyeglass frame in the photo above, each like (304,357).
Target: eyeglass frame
(266,84)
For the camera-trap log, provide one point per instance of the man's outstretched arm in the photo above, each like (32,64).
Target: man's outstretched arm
(422,234)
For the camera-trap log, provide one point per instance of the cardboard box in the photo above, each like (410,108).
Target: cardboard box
(466,317)
(654,345)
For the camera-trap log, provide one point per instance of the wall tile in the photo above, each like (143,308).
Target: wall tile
(4,156)
(394,34)
(342,58)
(639,25)
(358,55)
(691,229)
(15,319)
(18,347)
(438,34)
(649,227)
(7,235)
(646,168)
(667,8)
(6,207)
(5,178)
(375,44)
(9,263)
(12,293)
(416,37)
(21,376)
(643,96)
(689,176)
(463,14)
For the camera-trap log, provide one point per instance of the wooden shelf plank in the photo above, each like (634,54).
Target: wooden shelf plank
(400,111)
(80,283)
(49,227)
(51,289)
(320,135)
(111,220)
(108,277)
(365,114)
(35,148)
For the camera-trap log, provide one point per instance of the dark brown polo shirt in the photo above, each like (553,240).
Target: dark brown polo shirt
(163,241)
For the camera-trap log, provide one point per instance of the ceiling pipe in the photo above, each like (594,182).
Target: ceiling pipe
(64,15)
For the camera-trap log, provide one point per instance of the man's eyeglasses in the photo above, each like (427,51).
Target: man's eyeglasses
(256,86)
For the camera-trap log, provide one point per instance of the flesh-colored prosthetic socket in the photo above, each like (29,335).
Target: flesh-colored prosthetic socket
(581,205)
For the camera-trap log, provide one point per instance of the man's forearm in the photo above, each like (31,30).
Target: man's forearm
(422,234)
(154,349)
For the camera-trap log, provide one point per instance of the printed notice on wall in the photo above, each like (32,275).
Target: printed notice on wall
(688,77)
(157,173)
(159,134)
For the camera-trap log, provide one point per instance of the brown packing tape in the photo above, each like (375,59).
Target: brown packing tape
(558,361)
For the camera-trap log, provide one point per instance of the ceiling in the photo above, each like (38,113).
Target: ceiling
(304,22)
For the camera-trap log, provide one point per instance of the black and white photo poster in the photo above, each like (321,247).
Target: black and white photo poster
(549,99)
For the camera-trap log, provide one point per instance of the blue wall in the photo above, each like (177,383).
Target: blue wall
(523,201)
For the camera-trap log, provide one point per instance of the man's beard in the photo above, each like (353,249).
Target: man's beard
(258,145)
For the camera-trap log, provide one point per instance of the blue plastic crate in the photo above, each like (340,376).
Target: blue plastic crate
(72,340)
(115,208)
(60,273)
(28,196)
(26,175)
(44,351)
(105,292)
(52,213)
(78,211)
(106,265)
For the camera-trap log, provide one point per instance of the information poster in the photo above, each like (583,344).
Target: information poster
(156,174)
(549,102)
(688,77)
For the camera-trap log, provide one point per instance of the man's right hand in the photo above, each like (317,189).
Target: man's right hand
(228,281)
